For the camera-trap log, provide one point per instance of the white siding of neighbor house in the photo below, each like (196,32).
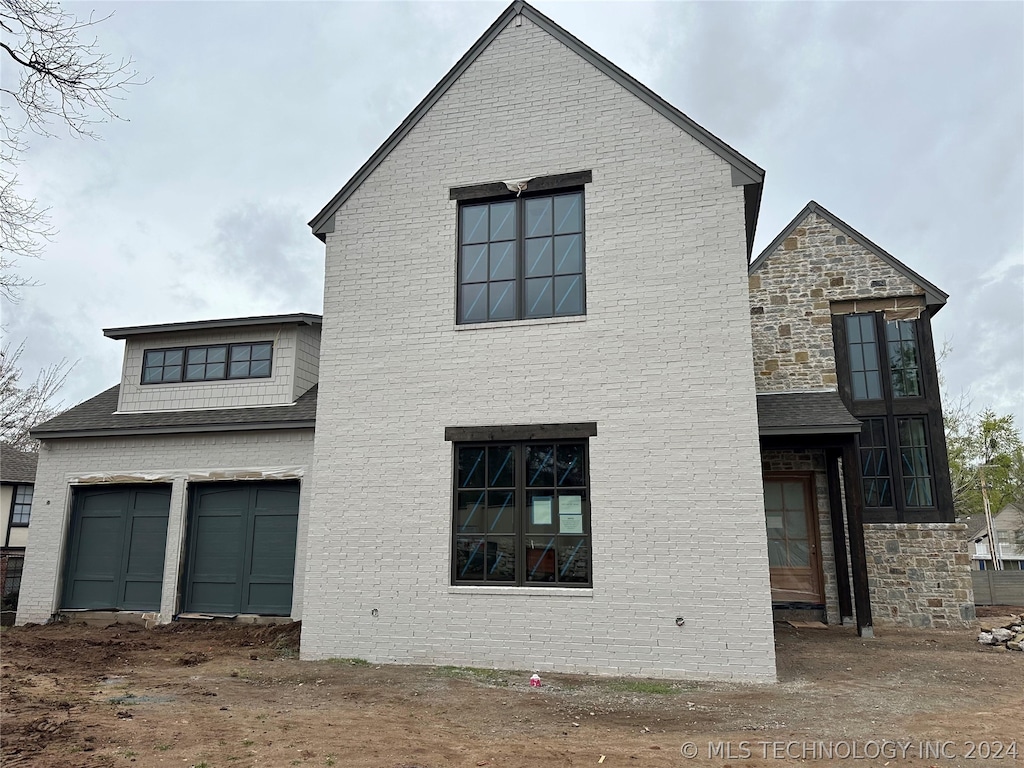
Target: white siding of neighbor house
(290,370)
(171,459)
(307,359)
(661,361)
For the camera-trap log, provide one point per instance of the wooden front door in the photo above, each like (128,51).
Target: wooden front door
(794,558)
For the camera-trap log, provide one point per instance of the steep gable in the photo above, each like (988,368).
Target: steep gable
(743,172)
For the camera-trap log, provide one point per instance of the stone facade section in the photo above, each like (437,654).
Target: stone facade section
(791,296)
(677,530)
(170,459)
(919,575)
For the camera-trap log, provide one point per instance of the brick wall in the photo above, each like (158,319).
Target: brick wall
(919,574)
(661,362)
(168,459)
(791,295)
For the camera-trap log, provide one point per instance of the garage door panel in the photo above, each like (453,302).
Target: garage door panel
(117,541)
(242,555)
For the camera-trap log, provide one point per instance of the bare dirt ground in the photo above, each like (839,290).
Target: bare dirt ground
(219,696)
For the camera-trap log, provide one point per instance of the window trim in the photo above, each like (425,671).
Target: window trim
(183,367)
(487,194)
(520,584)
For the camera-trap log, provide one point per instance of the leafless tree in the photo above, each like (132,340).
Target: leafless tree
(22,407)
(55,76)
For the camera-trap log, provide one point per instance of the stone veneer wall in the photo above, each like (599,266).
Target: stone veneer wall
(814,461)
(919,574)
(791,294)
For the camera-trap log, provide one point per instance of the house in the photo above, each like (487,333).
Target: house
(1008,524)
(181,489)
(17,479)
(848,396)
(539,439)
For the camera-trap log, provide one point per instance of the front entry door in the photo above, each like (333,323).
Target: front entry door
(793,557)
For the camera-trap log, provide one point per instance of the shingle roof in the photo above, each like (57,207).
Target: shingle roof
(97,417)
(744,171)
(301,318)
(17,466)
(933,295)
(804,413)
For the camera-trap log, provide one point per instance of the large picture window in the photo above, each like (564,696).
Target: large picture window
(522,514)
(521,258)
(209,363)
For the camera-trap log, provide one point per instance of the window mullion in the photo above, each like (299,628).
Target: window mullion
(884,369)
(520,526)
(520,259)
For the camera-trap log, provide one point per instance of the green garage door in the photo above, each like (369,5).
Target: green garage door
(116,548)
(242,548)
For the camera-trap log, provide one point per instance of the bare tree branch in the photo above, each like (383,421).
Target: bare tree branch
(23,407)
(62,79)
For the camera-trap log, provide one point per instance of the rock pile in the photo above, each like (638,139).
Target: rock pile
(1005,631)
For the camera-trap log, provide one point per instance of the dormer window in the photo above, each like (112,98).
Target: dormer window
(208,363)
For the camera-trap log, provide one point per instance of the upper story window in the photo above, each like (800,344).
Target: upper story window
(207,363)
(21,507)
(522,258)
(521,514)
(902,359)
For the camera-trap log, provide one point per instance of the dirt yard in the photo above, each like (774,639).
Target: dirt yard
(220,696)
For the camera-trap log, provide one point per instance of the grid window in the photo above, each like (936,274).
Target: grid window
(522,515)
(874,464)
(162,365)
(521,258)
(904,364)
(12,580)
(205,363)
(916,470)
(865,378)
(208,363)
(21,508)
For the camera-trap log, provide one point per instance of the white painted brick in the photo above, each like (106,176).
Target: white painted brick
(662,362)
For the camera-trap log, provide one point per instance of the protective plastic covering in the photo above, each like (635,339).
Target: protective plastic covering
(518,186)
(253,473)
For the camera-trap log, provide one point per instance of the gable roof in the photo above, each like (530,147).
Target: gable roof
(804,413)
(301,318)
(744,171)
(98,417)
(933,295)
(17,466)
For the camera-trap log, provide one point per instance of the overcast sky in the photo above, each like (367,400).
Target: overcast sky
(905,120)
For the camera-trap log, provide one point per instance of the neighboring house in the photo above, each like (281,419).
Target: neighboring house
(182,489)
(538,440)
(849,397)
(1009,528)
(17,478)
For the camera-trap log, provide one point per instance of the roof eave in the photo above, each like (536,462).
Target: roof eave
(172,430)
(300,318)
(824,429)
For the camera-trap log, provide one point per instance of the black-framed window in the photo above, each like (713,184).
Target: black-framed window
(915,464)
(12,581)
(874,464)
(21,505)
(215,362)
(904,361)
(522,258)
(521,514)
(865,376)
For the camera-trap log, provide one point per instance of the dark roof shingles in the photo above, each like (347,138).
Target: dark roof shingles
(17,466)
(98,415)
(784,413)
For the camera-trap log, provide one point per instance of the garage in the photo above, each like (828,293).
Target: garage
(241,548)
(116,544)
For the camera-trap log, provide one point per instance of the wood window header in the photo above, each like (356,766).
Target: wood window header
(536,184)
(521,432)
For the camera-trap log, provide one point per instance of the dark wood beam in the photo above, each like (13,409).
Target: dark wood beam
(855,523)
(835,505)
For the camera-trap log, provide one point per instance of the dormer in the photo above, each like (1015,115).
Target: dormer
(231,363)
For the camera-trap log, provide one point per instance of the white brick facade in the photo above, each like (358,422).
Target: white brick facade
(661,362)
(167,459)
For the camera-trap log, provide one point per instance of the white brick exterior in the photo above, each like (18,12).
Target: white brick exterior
(662,363)
(169,459)
(293,370)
